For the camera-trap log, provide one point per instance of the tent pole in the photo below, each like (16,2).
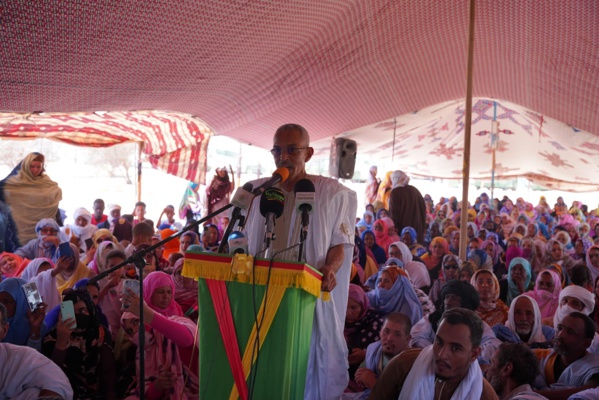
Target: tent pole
(140,147)
(467,134)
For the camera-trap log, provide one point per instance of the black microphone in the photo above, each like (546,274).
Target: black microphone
(272,203)
(305,194)
(280,175)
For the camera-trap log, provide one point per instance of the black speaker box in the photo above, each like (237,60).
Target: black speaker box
(343,158)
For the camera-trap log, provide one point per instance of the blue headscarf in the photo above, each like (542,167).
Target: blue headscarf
(512,287)
(379,212)
(379,253)
(412,233)
(18,331)
(369,226)
(400,298)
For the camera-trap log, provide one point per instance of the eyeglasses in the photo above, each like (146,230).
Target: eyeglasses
(451,266)
(49,231)
(290,151)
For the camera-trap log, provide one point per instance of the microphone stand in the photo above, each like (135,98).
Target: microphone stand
(140,263)
(303,233)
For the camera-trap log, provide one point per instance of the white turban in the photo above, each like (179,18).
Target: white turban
(587,298)
(82,212)
(112,207)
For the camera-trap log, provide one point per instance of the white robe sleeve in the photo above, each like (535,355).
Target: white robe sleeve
(25,372)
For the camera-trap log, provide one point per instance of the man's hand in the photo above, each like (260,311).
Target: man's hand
(365,378)
(356,356)
(51,239)
(329,281)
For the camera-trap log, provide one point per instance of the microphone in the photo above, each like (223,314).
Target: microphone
(280,175)
(272,203)
(241,200)
(305,194)
(238,243)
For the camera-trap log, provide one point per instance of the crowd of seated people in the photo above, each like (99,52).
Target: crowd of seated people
(530,277)
(517,317)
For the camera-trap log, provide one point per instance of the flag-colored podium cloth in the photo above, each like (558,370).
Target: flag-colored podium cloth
(254,338)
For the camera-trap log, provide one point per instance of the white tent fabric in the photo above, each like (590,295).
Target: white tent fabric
(429,143)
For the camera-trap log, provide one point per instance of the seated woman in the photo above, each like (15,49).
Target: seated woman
(74,271)
(186,240)
(416,278)
(370,242)
(111,288)
(169,336)
(362,327)
(394,292)
(81,347)
(381,233)
(43,272)
(480,259)
(98,264)
(25,327)
(186,292)
(494,253)
(517,281)
(491,310)
(555,254)
(434,258)
(466,271)
(12,265)
(210,237)
(546,292)
(451,266)
(410,237)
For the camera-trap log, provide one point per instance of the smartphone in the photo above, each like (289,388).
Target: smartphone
(68,311)
(132,285)
(65,250)
(89,243)
(33,295)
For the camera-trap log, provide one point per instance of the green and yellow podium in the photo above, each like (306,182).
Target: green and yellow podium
(238,310)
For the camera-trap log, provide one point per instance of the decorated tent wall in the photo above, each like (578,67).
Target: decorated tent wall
(430,142)
(335,66)
(173,142)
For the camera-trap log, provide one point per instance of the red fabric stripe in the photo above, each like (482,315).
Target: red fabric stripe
(222,308)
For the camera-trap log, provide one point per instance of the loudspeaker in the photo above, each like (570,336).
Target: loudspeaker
(343,158)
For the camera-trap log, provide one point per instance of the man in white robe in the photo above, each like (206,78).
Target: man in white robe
(26,374)
(328,248)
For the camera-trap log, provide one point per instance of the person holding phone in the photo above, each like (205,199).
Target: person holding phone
(82,347)
(170,340)
(25,326)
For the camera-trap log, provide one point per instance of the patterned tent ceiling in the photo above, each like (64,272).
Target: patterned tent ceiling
(335,66)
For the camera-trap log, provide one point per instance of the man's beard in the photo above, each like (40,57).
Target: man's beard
(524,331)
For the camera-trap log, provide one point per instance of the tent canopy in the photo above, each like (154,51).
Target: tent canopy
(334,66)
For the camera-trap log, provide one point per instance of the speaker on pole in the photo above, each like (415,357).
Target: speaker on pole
(343,158)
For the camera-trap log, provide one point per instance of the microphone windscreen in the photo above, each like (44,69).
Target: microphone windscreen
(272,201)
(304,185)
(283,171)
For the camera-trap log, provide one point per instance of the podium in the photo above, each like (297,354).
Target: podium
(232,301)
